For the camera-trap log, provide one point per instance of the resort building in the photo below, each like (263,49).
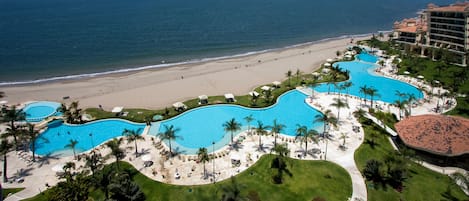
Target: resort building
(437,27)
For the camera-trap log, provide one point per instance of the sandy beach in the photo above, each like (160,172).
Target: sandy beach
(158,88)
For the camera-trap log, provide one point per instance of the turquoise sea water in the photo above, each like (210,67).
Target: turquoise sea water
(49,39)
(202,126)
(361,73)
(58,135)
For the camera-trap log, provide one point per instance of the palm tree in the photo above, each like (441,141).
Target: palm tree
(71,113)
(169,134)
(289,74)
(313,135)
(132,136)
(94,161)
(72,145)
(364,91)
(5,146)
(232,126)
(410,100)
(326,119)
(343,136)
(301,133)
(347,86)
(276,129)
(116,151)
(338,103)
(298,73)
(261,130)
(372,92)
(32,135)
(232,192)
(12,115)
(400,105)
(123,188)
(248,120)
(203,157)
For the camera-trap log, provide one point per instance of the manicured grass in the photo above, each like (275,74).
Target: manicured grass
(7,191)
(422,184)
(309,179)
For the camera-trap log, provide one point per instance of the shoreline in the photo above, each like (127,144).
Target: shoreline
(136,69)
(159,87)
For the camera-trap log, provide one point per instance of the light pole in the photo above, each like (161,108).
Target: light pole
(213,160)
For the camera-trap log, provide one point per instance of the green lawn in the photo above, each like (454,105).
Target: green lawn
(309,179)
(7,191)
(422,183)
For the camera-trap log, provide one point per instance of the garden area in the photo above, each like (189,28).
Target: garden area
(306,180)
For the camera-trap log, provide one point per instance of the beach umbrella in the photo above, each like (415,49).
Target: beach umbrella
(329,60)
(253,93)
(327,64)
(58,168)
(420,77)
(265,88)
(315,74)
(146,157)
(436,82)
(406,72)
(3,102)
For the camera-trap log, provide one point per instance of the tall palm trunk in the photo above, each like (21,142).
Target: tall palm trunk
(5,178)
(306,147)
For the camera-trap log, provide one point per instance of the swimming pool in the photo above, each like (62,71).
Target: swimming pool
(38,111)
(59,134)
(361,73)
(202,126)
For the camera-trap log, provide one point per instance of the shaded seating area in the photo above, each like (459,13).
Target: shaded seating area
(230,98)
(119,111)
(179,107)
(254,94)
(276,84)
(203,99)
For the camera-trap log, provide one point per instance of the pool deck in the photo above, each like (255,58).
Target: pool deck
(36,175)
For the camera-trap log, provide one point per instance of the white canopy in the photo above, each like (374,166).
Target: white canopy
(179,105)
(315,74)
(420,77)
(276,83)
(229,96)
(436,82)
(406,72)
(235,157)
(326,70)
(58,168)
(265,88)
(348,56)
(3,102)
(146,157)
(203,97)
(253,93)
(329,60)
(327,64)
(117,109)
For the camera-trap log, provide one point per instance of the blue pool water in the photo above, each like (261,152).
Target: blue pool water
(59,134)
(200,127)
(37,111)
(361,73)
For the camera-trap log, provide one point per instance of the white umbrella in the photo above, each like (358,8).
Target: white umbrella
(58,168)
(315,74)
(265,88)
(420,77)
(406,72)
(327,64)
(348,56)
(146,157)
(253,93)
(117,109)
(436,82)
(329,60)
(3,102)
(276,83)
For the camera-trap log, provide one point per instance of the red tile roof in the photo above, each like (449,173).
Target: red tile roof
(457,7)
(437,134)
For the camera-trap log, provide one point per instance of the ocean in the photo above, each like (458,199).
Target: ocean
(46,40)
